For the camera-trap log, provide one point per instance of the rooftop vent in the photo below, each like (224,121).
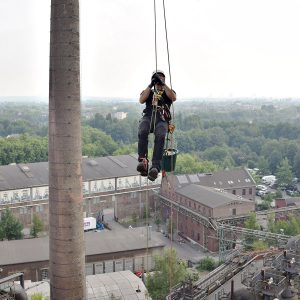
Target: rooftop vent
(25,168)
(182,179)
(92,163)
(193,178)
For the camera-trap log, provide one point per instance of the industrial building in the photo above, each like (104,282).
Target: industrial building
(196,202)
(109,183)
(106,251)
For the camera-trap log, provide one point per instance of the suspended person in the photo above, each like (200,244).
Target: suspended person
(158,98)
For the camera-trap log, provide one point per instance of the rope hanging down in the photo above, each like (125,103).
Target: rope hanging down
(171,127)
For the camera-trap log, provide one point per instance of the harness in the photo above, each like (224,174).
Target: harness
(159,106)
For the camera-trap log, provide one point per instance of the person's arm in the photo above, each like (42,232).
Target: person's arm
(170,93)
(145,95)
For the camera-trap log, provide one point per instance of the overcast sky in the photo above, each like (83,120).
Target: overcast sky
(218,48)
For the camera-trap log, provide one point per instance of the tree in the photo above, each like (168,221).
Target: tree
(126,149)
(291,226)
(97,143)
(259,245)
(189,164)
(38,296)
(284,173)
(251,223)
(37,226)
(134,218)
(167,267)
(216,153)
(274,160)
(206,264)
(263,166)
(10,227)
(296,166)
(266,202)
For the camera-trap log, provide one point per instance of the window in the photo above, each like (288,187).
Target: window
(39,208)
(234,211)
(244,192)
(46,194)
(250,191)
(23,210)
(5,197)
(16,196)
(25,195)
(234,192)
(44,274)
(96,200)
(198,236)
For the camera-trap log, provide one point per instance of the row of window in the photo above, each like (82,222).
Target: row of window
(25,210)
(243,192)
(96,186)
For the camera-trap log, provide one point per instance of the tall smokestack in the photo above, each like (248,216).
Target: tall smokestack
(67,258)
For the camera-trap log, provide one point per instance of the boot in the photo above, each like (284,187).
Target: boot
(142,166)
(152,174)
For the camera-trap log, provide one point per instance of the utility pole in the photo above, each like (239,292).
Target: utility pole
(66,243)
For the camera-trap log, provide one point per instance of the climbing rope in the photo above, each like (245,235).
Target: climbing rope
(171,127)
(156,96)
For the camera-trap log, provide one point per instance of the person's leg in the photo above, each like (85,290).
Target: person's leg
(143,133)
(159,142)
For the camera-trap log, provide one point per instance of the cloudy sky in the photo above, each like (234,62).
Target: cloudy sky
(217,48)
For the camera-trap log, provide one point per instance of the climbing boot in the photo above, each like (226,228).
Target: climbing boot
(152,174)
(142,167)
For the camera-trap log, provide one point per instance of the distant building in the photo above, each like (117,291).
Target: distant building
(195,202)
(106,251)
(101,286)
(287,202)
(120,115)
(110,184)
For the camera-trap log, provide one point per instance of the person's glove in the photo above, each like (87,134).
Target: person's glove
(152,83)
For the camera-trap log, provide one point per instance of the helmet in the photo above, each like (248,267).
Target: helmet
(158,72)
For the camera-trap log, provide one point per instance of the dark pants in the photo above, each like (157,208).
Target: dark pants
(159,130)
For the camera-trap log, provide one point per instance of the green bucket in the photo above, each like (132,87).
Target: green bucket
(169,160)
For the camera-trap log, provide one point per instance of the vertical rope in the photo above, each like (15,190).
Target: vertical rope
(147,226)
(155,111)
(171,135)
(166,31)
(155,39)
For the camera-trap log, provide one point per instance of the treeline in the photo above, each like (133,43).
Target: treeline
(227,144)
(25,148)
(208,136)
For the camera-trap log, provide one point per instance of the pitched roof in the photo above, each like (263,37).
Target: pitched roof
(101,286)
(228,179)
(20,176)
(211,197)
(103,242)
